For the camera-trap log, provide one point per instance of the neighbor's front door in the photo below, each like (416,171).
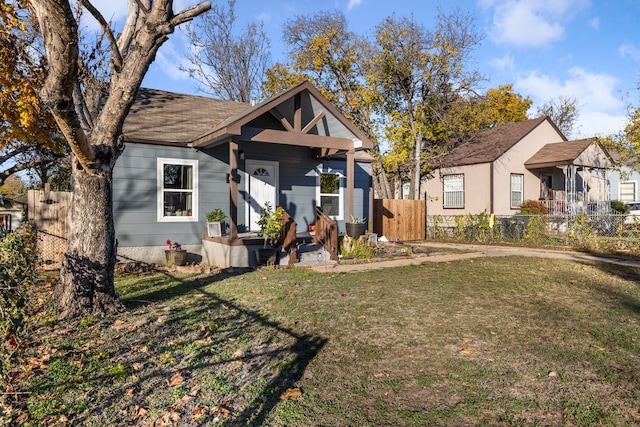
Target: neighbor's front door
(262,186)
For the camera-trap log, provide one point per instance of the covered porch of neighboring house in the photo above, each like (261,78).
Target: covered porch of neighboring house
(300,117)
(573,177)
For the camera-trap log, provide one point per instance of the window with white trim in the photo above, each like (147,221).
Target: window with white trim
(628,191)
(330,193)
(177,190)
(517,190)
(453,191)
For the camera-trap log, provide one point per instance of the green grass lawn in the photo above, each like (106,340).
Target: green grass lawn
(491,341)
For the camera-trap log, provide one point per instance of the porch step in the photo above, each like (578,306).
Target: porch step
(310,254)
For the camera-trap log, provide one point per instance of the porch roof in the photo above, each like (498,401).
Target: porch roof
(299,116)
(582,152)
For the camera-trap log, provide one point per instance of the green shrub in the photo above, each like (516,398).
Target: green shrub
(17,272)
(533,207)
(620,207)
(358,248)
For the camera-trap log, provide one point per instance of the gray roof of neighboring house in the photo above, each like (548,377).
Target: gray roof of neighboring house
(488,145)
(159,116)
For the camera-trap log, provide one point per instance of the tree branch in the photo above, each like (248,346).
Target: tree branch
(115,52)
(189,14)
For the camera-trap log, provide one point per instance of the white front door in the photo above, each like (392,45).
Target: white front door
(262,186)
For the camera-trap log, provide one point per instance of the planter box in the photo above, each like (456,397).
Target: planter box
(216,229)
(355,230)
(267,256)
(174,257)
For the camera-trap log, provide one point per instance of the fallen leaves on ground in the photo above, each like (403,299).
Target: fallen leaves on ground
(176,379)
(291,392)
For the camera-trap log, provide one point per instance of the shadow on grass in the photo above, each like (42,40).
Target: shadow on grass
(631,274)
(275,359)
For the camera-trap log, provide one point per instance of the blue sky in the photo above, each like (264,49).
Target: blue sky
(587,49)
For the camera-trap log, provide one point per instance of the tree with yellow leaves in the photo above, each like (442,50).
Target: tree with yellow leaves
(29,136)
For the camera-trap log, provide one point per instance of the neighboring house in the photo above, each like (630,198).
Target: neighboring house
(501,167)
(625,184)
(12,211)
(186,155)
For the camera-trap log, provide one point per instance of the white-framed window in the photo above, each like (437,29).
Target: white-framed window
(628,191)
(517,190)
(330,193)
(177,185)
(453,191)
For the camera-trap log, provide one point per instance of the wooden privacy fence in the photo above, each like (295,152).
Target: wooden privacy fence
(400,220)
(47,211)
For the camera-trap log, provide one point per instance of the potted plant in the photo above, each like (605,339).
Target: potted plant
(271,226)
(175,255)
(216,225)
(355,228)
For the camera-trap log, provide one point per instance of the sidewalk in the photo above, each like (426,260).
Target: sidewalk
(474,251)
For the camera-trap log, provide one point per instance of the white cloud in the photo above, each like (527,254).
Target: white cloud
(353,3)
(531,23)
(629,49)
(601,111)
(595,23)
(502,64)
(172,55)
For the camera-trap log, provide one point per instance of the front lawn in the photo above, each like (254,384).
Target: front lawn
(491,341)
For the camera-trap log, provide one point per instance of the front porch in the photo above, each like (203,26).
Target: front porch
(294,247)
(573,177)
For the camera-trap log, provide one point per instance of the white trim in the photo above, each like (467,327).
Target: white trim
(160,162)
(340,173)
(521,191)
(455,197)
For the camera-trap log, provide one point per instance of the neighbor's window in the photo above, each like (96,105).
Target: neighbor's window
(330,193)
(517,190)
(177,194)
(628,191)
(453,191)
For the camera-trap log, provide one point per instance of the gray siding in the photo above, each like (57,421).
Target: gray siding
(135,189)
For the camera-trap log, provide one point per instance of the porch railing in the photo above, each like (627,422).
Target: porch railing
(327,233)
(562,205)
(289,240)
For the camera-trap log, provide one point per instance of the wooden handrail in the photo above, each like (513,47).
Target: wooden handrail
(289,236)
(327,233)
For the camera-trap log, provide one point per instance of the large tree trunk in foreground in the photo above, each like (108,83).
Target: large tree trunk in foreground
(93,131)
(86,278)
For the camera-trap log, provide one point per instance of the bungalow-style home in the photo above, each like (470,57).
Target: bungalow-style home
(500,167)
(186,155)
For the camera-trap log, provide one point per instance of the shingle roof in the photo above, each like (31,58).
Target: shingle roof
(558,154)
(487,145)
(169,117)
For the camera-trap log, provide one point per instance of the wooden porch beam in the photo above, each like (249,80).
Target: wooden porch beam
(294,138)
(350,183)
(233,190)
(297,112)
(313,122)
(275,112)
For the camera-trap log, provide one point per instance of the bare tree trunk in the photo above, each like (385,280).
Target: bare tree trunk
(86,284)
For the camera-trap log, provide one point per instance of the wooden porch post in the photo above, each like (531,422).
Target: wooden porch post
(233,189)
(350,183)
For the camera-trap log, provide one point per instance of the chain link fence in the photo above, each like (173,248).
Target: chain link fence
(607,232)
